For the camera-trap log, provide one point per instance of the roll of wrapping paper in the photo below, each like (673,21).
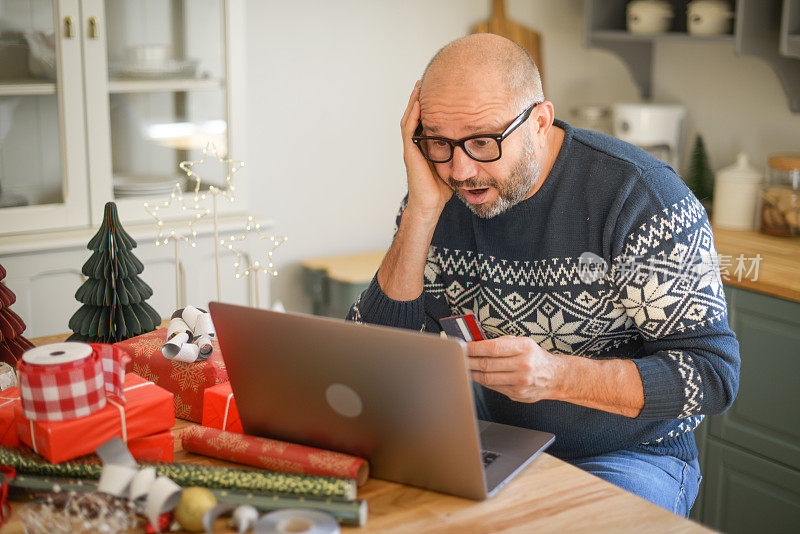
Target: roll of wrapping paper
(196,475)
(272,454)
(64,381)
(352,513)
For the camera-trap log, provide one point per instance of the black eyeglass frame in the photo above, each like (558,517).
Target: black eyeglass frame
(498,138)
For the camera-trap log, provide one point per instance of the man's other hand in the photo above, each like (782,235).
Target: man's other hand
(517,367)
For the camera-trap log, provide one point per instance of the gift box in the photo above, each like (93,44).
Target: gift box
(187,381)
(159,447)
(148,410)
(9,399)
(219,409)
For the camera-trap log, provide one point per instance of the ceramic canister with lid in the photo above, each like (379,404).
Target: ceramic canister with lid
(780,197)
(736,191)
(649,16)
(709,17)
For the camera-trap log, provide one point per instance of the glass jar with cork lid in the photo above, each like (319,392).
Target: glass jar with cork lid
(780,196)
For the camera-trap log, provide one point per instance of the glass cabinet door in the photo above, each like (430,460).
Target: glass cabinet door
(165,73)
(42,145)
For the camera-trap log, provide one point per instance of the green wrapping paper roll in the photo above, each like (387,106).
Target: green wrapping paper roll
(197,475)
(352,513)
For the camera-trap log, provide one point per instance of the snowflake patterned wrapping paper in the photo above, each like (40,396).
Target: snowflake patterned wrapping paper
(9,435)
(187,381)
(272,454)
(224,478)
(219,409)
(148,410)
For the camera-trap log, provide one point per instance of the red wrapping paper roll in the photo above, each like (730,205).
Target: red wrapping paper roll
(272,454)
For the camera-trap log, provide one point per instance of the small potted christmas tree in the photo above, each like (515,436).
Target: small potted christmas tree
(113,295)
(700,177)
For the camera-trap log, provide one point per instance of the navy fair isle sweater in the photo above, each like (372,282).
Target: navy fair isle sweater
(613,257)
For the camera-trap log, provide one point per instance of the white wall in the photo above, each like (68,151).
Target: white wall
(328,82)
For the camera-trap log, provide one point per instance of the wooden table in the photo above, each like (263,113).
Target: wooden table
(549,495)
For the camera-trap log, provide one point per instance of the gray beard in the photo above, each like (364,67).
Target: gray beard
(522,180)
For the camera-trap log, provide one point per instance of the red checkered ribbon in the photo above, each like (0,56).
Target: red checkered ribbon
(73,389)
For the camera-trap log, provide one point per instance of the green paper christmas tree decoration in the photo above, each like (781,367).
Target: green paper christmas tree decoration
(12,343)
(700,178)
(113,296)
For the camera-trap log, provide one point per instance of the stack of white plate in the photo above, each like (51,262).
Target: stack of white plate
(129,186)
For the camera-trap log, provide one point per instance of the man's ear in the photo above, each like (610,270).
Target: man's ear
(541,120)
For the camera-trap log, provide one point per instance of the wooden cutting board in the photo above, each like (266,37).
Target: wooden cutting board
(500,25)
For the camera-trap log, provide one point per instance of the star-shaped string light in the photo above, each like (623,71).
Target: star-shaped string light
(186,216)
(193,170)
(252,228)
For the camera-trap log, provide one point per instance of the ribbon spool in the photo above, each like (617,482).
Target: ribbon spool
(297,520)
(63,381)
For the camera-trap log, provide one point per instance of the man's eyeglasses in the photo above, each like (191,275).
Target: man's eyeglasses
(482,147)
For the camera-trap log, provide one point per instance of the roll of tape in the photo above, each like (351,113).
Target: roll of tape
(297,520)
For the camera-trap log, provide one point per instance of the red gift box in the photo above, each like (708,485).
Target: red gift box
(147,410)
(219,409)
(187,381)
(9,399)
(158,447)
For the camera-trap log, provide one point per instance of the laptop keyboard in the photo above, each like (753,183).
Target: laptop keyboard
(489,457)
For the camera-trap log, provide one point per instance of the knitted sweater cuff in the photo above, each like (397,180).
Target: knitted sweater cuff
(377,308)
(663,393)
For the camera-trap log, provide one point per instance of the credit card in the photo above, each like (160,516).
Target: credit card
(465,327)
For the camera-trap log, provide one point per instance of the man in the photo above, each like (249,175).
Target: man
(587,261)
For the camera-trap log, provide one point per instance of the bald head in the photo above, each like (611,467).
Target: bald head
(485,58)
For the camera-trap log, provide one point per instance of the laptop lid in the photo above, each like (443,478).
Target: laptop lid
(400,399)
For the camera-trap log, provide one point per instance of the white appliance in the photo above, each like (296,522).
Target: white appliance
(657,128)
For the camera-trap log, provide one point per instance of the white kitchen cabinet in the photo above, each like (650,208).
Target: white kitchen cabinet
(100,114)
(45,272)
(95,113)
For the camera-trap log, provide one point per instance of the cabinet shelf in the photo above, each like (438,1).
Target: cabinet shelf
(27,87)
(766,29)
(164,85)
(624,35)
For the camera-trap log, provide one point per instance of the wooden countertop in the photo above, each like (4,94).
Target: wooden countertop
(549,495)
(778,269)
(349,268)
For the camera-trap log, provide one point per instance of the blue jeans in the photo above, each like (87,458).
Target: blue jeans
(664,480)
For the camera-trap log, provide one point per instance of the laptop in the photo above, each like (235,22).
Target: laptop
(399,398)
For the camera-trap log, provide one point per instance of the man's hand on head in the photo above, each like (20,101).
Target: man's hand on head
(517,367)
(427,193)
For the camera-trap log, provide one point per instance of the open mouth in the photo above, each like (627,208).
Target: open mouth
(475,196)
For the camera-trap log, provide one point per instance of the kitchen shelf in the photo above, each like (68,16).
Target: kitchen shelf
(164,85)
(766,29)
(625,35)
(26,87)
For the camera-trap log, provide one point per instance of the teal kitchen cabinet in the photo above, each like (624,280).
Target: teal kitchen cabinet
(750,455)
(746,493)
